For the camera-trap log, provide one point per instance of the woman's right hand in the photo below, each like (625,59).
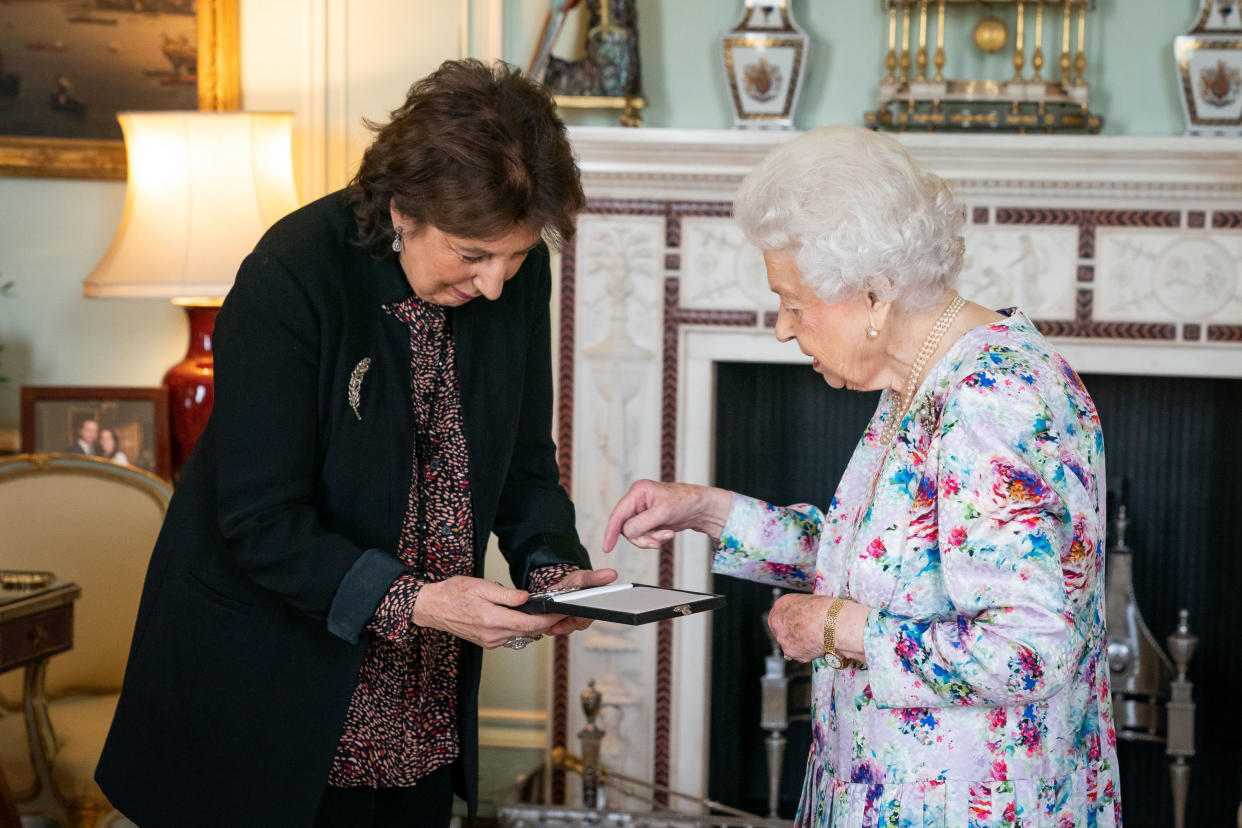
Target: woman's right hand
(478,610)
(650,513)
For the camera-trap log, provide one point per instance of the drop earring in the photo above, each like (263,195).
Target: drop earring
(396,240)
(872,333)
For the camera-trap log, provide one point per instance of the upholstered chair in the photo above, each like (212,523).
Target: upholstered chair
(93,523)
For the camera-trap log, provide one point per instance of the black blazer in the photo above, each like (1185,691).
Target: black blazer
(279,541)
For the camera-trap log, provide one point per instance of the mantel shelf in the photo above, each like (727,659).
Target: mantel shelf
(676,163)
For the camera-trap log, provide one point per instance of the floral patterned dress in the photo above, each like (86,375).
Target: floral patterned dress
(984,700)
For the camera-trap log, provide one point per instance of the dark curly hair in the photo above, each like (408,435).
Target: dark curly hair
(473,151)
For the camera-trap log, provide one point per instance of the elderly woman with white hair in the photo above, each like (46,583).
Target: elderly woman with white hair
(956,614)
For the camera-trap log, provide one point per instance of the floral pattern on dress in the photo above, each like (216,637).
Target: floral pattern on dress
(978,542)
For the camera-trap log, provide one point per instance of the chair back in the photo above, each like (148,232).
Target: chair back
(91,522)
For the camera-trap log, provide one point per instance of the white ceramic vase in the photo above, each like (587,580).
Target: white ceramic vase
(764,61)
(1209,69)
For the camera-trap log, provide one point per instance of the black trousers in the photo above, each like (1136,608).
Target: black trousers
(429,803)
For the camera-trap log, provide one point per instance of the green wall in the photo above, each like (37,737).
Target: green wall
(1129,47)
(52,234)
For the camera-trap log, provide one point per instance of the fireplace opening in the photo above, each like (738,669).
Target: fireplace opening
(784,436)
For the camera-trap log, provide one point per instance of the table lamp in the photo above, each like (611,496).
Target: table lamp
(202,188)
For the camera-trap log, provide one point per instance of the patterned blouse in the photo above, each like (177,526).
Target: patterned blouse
(402,718)
(984,700)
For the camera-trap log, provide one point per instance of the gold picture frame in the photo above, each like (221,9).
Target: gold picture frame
(219,84)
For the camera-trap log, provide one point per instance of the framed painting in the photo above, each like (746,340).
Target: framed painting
(67,68)
(125,425)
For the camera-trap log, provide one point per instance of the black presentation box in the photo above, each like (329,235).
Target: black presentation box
(623,603)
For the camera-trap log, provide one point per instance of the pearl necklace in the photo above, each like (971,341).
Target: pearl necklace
(903,401)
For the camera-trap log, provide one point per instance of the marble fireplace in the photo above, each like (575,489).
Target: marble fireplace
(1125,250)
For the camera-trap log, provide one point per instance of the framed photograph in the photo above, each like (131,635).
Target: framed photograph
(124,425)
(67,68)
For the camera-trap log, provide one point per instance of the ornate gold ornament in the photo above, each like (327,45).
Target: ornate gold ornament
(912,97)
(991,34)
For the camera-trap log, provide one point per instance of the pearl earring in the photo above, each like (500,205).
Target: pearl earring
(872,333)
(396,240)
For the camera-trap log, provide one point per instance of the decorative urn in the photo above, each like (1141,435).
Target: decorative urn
(1209,69)
(764,61)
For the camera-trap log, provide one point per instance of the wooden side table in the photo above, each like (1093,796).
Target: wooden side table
(33,627)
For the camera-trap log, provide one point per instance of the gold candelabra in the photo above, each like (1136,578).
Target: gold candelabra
(910,99)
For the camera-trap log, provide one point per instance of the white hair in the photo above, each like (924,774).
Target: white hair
(850,204)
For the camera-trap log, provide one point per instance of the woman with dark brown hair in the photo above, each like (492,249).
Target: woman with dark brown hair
(110,447)
(309,643)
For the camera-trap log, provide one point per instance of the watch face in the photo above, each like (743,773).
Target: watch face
(833,660)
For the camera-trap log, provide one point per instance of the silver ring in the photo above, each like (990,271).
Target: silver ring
(517,642)
(787,658)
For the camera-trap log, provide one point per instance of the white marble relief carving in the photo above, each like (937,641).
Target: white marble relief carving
(720,269)
(619,325)
(619,333)
(1144,276)
(1033,268)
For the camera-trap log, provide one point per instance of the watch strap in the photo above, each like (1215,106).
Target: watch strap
(830,628)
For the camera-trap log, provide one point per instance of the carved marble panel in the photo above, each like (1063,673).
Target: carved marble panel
(720,269)
(1185,276)
(619,295)
(1030,267)
(618,332)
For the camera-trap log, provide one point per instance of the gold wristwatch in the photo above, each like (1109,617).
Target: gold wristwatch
(831,657)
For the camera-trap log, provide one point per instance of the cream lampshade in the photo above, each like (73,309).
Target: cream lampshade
(202,188)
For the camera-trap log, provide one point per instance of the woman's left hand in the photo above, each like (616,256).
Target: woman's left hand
(797,621)
(581,579)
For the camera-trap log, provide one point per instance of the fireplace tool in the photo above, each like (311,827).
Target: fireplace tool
(774,713)
(590,737)
(1143,676)
(596,776)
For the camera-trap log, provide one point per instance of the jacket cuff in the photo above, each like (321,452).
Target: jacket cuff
(361,590)
(546,577)
(546,550)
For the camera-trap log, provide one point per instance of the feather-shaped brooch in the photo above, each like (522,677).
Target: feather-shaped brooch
(354,394)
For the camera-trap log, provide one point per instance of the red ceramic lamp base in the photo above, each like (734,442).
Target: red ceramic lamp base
(191,384)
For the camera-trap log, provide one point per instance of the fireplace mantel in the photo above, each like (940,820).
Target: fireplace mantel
(1126,251)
